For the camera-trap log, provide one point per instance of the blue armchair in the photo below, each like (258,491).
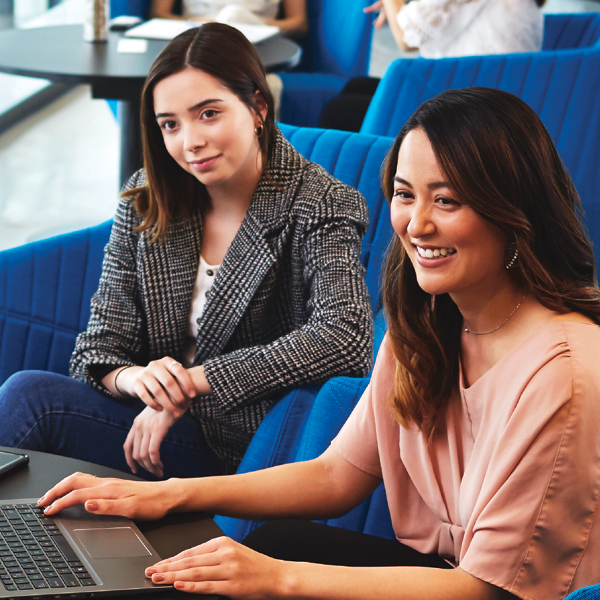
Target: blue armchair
(562,86)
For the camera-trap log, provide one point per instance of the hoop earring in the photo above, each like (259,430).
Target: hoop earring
(259,130)
(513,260)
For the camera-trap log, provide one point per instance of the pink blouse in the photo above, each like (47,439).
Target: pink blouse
(509,487)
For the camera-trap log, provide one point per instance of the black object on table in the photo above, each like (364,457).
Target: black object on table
(61,55)
(169,536)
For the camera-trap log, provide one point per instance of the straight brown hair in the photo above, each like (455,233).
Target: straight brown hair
(224,53)
(501,161)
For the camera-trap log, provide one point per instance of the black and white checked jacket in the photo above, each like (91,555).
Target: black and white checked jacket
(288,307)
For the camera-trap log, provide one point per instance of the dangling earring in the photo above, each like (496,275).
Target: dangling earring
(259,130)
(515,254)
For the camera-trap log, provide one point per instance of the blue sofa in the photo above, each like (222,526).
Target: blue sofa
(562,86)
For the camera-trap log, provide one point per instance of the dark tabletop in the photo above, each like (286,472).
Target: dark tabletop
(61,55)
(169,536)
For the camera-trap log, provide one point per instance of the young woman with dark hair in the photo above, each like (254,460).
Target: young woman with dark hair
(482,415)
(232,274)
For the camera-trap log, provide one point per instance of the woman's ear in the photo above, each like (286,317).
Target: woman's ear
(261,104)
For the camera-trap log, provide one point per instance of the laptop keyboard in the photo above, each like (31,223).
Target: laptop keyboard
(34,554)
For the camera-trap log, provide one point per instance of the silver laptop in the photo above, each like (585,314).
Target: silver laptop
(73,554)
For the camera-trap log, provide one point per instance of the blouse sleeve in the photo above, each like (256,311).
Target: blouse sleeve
(531,520)
(359,439)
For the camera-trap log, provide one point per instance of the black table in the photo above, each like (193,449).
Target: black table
(169,535)
(60,55)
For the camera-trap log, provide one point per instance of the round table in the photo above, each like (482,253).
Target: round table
(170,535)
(61,55)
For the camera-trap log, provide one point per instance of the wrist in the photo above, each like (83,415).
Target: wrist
(199,380)
(288,583)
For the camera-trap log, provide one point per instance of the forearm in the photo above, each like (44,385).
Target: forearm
(391,9)
(321,488)
(308,581)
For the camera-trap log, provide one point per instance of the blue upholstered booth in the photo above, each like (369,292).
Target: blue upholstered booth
(562,86)
(46,286)
(591,592)
(336,48)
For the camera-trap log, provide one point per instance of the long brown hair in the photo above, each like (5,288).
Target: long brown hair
(226,54)
(501,161)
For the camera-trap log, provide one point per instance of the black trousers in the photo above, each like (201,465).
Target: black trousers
(312,542)
(348,109)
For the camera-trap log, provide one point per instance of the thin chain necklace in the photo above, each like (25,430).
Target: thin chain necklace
(501,324)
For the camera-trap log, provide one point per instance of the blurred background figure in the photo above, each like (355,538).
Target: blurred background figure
(440,29)
(288,15)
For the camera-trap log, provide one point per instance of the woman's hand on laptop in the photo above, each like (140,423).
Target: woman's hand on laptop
(111,496)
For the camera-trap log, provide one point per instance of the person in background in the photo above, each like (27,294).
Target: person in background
(440,29)
(444,28)
(232,274)
(293,22)
(481,418)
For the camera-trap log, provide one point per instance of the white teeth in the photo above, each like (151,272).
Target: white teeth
(429,253)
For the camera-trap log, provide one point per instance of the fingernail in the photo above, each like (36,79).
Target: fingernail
(158,577)
(91,506)
(150,571)
(47,509)
(41,499)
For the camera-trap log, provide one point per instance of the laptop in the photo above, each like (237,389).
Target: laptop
(74,554)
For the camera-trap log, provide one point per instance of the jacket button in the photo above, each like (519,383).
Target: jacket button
(209,272)
(206,294)
(198,321)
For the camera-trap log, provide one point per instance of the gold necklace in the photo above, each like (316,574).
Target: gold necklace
(501,324)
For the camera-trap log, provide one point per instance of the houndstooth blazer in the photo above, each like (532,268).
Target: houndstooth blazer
(288,307)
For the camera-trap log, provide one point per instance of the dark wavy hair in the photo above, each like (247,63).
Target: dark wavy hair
(501,161)
(225,53)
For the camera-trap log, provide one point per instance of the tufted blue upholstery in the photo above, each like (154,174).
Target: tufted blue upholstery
(587,593)
(571,31)
(563,87)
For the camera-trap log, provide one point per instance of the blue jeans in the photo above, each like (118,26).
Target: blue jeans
(52,413)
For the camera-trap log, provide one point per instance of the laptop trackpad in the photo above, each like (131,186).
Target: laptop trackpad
(111,542)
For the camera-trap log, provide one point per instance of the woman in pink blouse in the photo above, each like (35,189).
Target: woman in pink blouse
(482,417)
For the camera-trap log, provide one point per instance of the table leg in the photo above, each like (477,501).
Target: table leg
(131,143)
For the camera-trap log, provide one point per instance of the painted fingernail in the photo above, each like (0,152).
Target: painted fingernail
(47,509)
(41,499)
(158,578)
(91,506)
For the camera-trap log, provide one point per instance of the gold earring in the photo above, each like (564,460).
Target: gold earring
(259,130)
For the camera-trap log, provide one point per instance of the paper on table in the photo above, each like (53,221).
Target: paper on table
(167,29)
(132,46)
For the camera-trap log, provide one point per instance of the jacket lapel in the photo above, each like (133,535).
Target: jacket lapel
(252,253)
(173,268)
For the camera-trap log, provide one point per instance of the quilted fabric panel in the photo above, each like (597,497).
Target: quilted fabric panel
(571,31)
(587,593)
(45,290)
(561,86)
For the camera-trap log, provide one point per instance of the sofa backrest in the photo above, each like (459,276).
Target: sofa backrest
(565,31)
(339,38)
(562,87)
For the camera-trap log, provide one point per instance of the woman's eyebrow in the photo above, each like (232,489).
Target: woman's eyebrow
(191,109)
(432,186)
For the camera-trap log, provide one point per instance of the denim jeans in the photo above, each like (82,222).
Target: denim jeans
(52,413)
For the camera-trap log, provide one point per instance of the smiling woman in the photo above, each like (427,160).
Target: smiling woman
(232,274)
